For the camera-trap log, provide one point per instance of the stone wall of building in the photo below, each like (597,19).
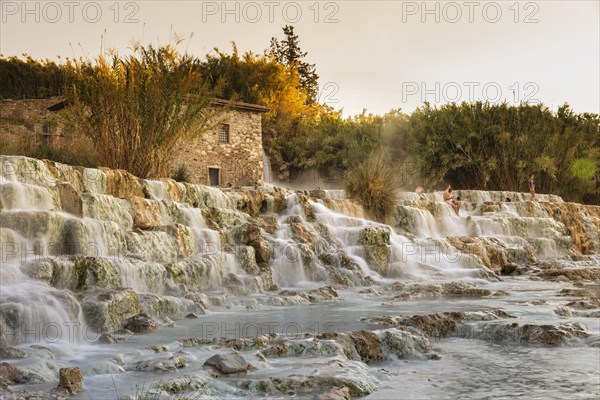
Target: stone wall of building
(239,162)
(31,118)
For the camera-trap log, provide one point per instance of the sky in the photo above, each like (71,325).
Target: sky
(373,55)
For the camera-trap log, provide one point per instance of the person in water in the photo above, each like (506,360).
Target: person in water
(532,187)
(455,204)
(448,195)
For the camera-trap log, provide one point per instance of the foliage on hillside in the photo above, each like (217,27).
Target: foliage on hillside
(133,109)
(498,146)
(26,78)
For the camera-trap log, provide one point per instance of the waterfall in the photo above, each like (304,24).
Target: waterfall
(267,172)
(70,235)
(288,267)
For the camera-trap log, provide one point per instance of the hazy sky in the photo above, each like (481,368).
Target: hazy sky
(376,55)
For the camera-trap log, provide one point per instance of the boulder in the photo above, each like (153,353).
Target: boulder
(146,214)
(185,244)
(91,272)
(141,323)
(40,269)
(107,338)
(11,374)
(582,222)
(249,234)
(247,258)
(110,310)
(367,345)
(178,360)
(263,250)
(228,363)
(376,241)
(532,334)
(121,184)
(11,353)
(70,200)
(509,269)
(153,365)
(301,234)
(337,393)
(71,380)
(460,288)
(268,223)
(493,253)
(438,325)
(571,274)
(186,383)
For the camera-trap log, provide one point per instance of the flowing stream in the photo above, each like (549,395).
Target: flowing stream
(84,250)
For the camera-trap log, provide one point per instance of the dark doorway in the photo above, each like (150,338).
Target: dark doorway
(213,176)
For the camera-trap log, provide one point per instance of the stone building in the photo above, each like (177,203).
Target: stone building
(230,151)
(33,119)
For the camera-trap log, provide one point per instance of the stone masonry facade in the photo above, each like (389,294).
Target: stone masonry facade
(230,152)
(31,118)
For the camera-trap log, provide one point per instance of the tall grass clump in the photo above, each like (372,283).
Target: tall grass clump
(180,174)
(136,109)
(78,151)
(375,183)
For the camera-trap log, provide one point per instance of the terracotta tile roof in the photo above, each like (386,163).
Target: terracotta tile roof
(237,105)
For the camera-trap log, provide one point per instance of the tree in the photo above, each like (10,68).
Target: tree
(137,109)
(29,78)
(288,53)
(497,147)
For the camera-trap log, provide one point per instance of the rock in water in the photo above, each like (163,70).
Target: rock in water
(11,374)
(107,338)
(228,363)
(338,393)
(71,380)
(141,323)
(11,352)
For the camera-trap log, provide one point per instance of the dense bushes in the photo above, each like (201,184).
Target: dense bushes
(497,147)
(29,78)
(375,183)
(136,109)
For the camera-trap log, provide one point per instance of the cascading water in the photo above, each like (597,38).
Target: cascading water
(83,250)
(288,268)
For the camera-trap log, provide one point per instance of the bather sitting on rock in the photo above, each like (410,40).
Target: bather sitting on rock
(455,204)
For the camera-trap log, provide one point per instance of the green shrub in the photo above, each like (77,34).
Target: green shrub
(375,183)
(137,109)
(181,174)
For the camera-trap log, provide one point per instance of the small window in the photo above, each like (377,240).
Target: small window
(213,176)
(45,140)
(48,128)
(224,133)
